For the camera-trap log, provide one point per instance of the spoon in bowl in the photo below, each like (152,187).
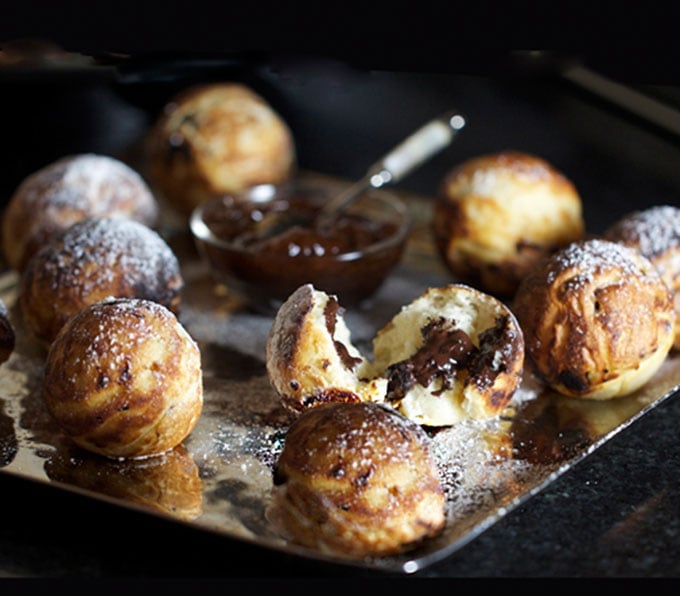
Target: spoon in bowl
(400,161)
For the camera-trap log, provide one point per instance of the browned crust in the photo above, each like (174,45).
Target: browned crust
(590,320)
(463,208)
(655,232)
(358,479)
(195,149)
(124,382)
(284,336)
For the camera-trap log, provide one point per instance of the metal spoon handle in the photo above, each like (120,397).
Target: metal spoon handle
(417,148)
(404,158)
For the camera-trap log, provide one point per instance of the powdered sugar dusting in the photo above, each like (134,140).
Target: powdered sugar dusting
(365,436)
(98,251)
(93,184)
(111,330)
(589,257)
(115,315)
(242,427)
(652,231)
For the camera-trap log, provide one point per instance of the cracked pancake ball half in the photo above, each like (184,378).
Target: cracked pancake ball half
(454,353)
(310,356)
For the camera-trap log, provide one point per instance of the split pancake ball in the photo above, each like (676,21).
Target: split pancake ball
(454,353)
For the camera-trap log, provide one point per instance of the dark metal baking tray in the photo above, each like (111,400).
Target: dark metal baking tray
(220,479)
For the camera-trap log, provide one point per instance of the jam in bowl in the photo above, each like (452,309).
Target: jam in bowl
(265,242)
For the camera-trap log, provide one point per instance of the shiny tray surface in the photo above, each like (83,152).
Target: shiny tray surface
(220,478)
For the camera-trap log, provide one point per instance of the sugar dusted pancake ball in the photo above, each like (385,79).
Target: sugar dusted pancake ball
(216,139)
(357,479)
(655,232)
(497,214)
(66,191)
(123,379)
(94,259)
(597,318)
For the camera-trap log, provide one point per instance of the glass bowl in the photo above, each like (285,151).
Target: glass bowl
(264,243)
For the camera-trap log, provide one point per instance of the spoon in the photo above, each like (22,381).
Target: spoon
(400,161)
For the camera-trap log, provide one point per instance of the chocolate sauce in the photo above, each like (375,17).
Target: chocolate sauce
(272,247)
(331,312)
(288,227)
(447,353)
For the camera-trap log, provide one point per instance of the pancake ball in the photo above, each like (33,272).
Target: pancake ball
(216,139)
(454,353)
(655,232)
(123,379)
(94,259)
(496,215)
(357,479)
(310,357)
(67,191)
(597,318)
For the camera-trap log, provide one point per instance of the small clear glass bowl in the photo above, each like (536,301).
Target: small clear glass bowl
(262,243)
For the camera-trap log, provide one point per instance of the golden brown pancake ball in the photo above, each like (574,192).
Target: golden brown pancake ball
(216,139)
(66,191)
(655,232)
(94,259)
(497,214)
(597,318)
(357,479)
(123,379)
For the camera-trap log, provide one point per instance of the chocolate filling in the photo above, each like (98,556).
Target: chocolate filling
(331,312)
(447,353)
